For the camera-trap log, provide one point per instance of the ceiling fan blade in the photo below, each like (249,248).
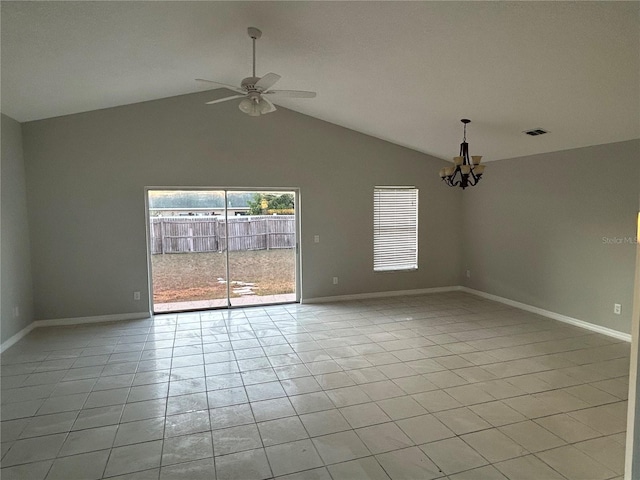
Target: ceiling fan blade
(290,93)
(221,85)
(272,107)
(267,81)
(220,100)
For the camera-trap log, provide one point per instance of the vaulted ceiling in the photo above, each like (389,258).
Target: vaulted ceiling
(406,72)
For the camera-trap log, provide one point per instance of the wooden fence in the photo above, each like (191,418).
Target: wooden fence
(208,234)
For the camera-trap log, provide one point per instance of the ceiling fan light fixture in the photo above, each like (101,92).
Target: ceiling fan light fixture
(263,106)
(248,106)
(252,88)
(254,106)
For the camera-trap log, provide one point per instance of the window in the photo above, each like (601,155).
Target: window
(395,228)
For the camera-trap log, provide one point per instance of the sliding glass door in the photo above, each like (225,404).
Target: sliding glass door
(221,248)
(262,250)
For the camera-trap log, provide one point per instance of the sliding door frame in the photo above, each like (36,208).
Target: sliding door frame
(226,190)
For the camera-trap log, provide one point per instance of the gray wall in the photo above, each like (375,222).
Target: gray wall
(633,436)
(15,267)
(87,174)
(535,230)
(633,427)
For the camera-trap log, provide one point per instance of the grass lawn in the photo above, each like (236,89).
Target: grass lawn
(182,277)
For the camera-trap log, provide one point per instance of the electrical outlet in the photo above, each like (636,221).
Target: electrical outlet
(136,295)
(335,280)
(617,308)
(316,239)
(468,273)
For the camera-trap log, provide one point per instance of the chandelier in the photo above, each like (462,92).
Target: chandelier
(464,172)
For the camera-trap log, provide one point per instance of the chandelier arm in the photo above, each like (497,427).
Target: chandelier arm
(476,178)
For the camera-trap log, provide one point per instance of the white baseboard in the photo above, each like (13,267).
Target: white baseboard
(9,342)
(555,316)
(392,293)
(70,321)
(338,298)
(118,317)
(522,306)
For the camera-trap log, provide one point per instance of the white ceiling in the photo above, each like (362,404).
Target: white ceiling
(406,72)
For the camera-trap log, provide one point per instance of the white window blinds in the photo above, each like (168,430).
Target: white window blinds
(395,228)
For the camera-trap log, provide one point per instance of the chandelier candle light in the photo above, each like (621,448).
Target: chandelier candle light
(464,172)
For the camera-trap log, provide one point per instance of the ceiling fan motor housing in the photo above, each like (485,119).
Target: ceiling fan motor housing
(249,83)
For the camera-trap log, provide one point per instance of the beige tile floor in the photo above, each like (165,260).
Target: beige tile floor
(437,386)
(245,300)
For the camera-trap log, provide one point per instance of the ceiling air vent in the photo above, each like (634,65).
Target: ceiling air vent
(535,132)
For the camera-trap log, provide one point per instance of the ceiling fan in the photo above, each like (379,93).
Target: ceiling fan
(255,91)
